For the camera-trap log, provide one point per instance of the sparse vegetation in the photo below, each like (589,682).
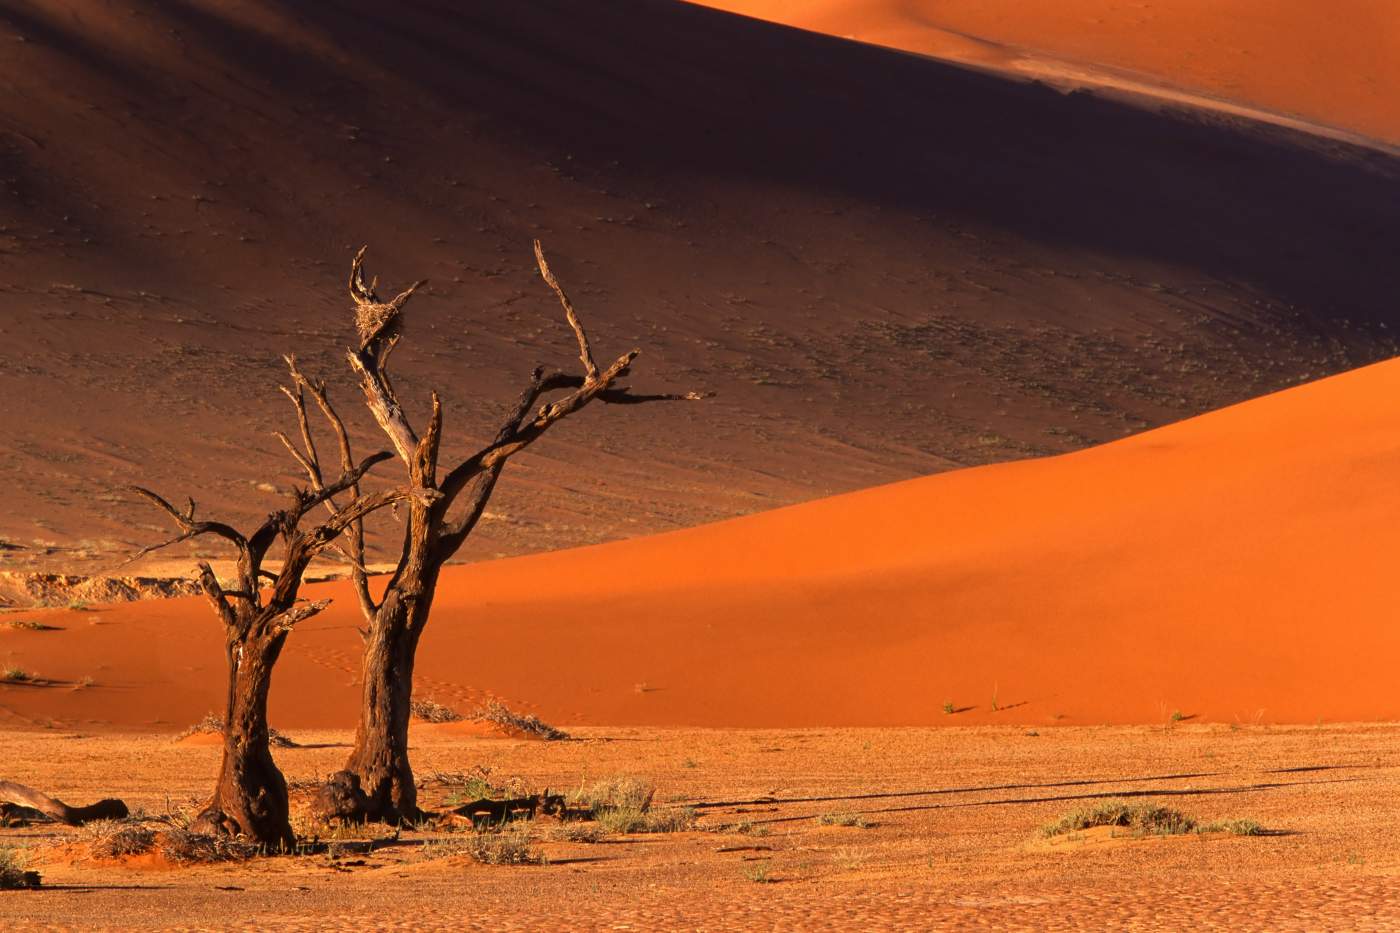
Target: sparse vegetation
(112,839)
(622,805)
(1233,828)
(498,713)
(844,819)
(758,873)
(949,708)
(1144,820)
(475,784)
(576,832)
(13,875)
(109,839)
(187,847)
(16,675)
(431,711)
(616,793)
(509,846)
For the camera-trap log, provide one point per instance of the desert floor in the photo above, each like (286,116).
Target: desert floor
(954,842)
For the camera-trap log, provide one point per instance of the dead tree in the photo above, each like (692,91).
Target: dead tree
(21,797)
(377,782)
(250,796)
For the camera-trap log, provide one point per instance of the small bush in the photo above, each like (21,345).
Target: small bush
(510,846)
(475,784)
(16,675)
(430,711)
(1144,819)
(844,819)
(185,847)
(111,839)
(498,713)
(13,875)
(758,873)
(949,709)
(617,793)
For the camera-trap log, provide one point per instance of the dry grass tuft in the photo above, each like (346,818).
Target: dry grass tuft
(844,819)
(616,793)
(110,839)
(13,876)
(623,805)
(187,848)
(1145,820)
(1142,818)
(509,846)
(430,711)
(498,713)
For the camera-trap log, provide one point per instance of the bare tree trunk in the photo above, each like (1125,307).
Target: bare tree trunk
(250,795)
(380,755)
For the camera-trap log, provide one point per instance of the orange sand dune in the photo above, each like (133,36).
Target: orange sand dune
(1238,565)
(882,264)
(1333,63)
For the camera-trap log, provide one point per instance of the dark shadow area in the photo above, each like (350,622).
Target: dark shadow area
(668,89)
(951,790)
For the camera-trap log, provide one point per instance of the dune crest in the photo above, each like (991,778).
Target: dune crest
(1277,57)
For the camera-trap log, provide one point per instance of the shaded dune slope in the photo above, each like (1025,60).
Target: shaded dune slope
(1233,567)
(885,266)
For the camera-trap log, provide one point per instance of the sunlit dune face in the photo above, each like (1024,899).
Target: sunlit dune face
(1332,63)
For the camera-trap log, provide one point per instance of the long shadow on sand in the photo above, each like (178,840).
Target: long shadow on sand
(988,788)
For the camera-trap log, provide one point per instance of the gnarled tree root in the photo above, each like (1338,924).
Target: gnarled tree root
(57,810)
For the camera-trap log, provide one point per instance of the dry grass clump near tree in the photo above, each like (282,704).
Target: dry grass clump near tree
(1144,820)
(115,839)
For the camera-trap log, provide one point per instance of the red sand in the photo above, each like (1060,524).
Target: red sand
(1236,566)
(1333,63)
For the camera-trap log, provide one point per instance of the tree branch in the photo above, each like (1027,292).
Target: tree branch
(354,553)
(585,352)
(299,613)
(210,584)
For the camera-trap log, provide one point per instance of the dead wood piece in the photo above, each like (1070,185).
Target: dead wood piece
(57,810)
(488,812)
(340,800)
